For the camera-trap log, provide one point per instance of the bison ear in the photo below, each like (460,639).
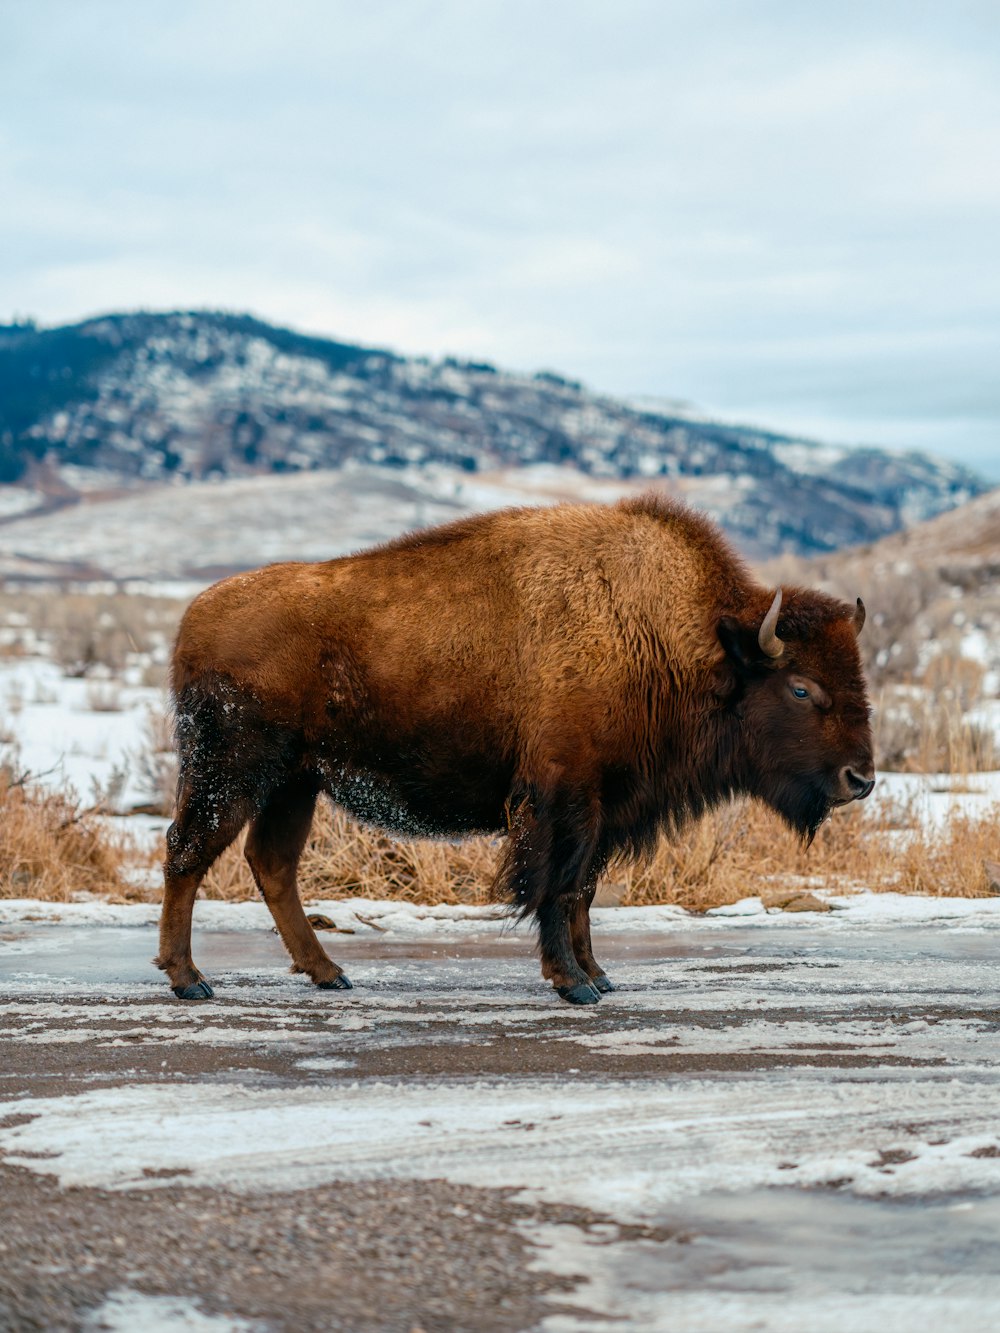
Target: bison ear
(740,644)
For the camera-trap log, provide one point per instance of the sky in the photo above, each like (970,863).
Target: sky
(784,213)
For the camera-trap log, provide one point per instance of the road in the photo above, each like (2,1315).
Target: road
(775,1123)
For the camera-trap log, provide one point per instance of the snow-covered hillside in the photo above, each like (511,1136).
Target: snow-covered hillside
(201,531)
(127,400)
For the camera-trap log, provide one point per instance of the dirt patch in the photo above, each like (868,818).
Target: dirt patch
(391,1255)
(53,1070)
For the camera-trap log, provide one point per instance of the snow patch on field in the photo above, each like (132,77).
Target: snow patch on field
(650,1145)
(125,1311)
(615,1278)
(374,916)
(62,739)
(934,798)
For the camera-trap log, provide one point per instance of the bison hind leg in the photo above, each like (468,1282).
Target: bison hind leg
(202,830)
(229,763)
(273,848)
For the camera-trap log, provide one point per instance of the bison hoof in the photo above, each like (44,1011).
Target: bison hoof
(338,983)
(198,990)
(603,983)
(582,993)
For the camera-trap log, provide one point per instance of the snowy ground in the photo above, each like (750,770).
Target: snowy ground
(198,531)
(778,1122)
(61,737)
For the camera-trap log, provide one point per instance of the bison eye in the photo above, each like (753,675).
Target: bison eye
(799,692)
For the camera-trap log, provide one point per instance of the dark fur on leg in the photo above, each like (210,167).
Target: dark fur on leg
(549,856)
(579,927)
(221,785)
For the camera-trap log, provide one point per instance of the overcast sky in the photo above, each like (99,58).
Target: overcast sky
(785,212)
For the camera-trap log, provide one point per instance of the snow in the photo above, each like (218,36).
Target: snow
(986,714)
(744,907)
(419,923)
(979,647)
(651,1143)
(936,797)
(607,1285)
(167,535)
(18,500)
(397,918)
(125,1311)
(60,738)
(808,458)
(809,1190)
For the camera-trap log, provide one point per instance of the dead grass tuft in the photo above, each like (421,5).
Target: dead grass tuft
(88,631)
(344,859)
(921,732)
(155,762)
(737,852)
(54,848)
(744,850)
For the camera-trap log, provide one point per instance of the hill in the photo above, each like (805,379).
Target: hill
(129,401)
(932,641)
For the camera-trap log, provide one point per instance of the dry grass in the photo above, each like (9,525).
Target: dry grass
(344,859)
(90,631)
(54,848)
(156,762)
(744,850)
(926,730)
(735,853)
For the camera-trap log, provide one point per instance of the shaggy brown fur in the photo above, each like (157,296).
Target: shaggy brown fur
(580,677)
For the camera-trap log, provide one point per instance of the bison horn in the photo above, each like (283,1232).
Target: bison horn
(859,617)
(768,640)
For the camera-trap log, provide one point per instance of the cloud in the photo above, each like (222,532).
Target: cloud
(784,209)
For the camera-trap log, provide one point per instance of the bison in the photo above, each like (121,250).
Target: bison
(578,678)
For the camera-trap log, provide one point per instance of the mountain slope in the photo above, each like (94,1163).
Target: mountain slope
(933,599)
(130,399)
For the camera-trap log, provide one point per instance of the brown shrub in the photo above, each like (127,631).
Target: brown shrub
(736,852)
(84,630)
(53,847)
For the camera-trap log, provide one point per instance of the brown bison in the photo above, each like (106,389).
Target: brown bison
(579,678)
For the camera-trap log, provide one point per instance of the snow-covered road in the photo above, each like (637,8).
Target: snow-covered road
(778,1122)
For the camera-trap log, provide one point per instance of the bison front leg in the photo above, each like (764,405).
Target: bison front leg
(559,963)
(579,931)
(548,861)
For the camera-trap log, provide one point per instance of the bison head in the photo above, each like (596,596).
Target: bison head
(796,683)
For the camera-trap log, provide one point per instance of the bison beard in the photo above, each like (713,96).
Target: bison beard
(580,678)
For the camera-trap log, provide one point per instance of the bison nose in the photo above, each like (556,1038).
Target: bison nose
(857,785)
